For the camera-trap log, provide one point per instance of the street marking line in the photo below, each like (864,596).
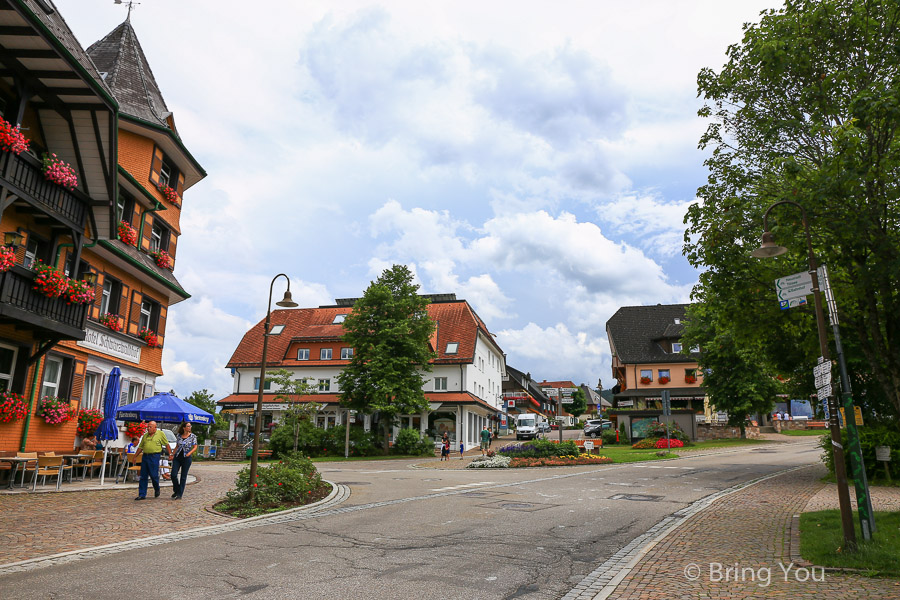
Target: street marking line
(464,485)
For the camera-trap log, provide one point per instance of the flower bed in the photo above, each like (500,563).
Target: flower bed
(80,292)
(135,430)
(169,194)
(110,320)
(645,444)
(59,172)
(539,449)
(669,443)
(149,337)
(127,233)
(11,138)
(12,407)
(55,411)
(162,258)
(490,462)
(89,420)
(560,461)
(7,258)
(49,281)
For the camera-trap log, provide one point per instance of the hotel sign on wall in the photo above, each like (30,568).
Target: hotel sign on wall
(111,345)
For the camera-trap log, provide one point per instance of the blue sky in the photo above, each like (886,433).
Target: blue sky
(534,158)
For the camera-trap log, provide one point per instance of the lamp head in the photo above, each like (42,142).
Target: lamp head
(769,248)
(287,302)
(90,278)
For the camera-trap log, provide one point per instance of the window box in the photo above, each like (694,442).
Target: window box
(690,379)
(127,233)
(110,320)
(150,337)
(645,380)
(11,138)
(162,258)
(664,380)
(59,171)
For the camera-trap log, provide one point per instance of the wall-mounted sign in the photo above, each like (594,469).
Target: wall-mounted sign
(111,345)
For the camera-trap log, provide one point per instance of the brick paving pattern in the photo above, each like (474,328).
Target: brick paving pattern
(749,529)
(34,525)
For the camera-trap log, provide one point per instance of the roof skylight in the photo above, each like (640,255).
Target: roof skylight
(339,319)
(452,347)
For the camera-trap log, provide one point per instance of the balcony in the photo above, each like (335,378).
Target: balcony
(23,175)
(50,317)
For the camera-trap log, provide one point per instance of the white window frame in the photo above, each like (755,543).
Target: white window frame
(51,385)
(440,384)
(89,390)
(664,373)
(452,348)
(268,385)
(145,314)
(302,353)
(155,238)
(325,354)
(106,296)
(8,377)
(676,347)
(646,373)
(325,385)
(135,392)
(346,353)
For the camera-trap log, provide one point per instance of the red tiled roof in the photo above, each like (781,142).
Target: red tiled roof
(456,322)
(556,384)
(442,397)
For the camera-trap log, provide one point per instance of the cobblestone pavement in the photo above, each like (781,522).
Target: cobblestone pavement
(33,525)
(749,532)
(883,498)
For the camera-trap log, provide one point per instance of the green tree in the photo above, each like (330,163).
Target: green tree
(389,329)
(290,391)
(807,108)
(579,403)
(204,399)
(735,380)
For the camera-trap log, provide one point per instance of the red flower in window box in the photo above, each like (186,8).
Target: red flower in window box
(149,337)
(690,379)
(59,171)
(162,258)
(89,420)
(127,233)
(169,194)
(12,407)
(11,138)
(49,281)
(664,380)
(110,320)
(645,380)
(135,430)
(7,258)
(80,292)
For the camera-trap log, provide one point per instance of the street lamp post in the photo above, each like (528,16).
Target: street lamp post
(286,302)
(770,249)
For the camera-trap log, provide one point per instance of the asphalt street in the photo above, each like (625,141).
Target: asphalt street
(423,533)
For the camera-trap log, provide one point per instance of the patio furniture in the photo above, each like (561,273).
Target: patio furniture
(48,465)
(64,467)
(132,464)
(31,465)
(96,461)
(14,462)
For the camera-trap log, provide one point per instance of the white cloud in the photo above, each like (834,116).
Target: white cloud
(656,224)
(561,353)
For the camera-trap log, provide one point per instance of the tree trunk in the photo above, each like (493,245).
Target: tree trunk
(296,435)
(387,435)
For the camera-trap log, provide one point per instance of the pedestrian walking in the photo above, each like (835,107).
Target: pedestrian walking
(485,440)
(445,450)
(152,444)
(462,448)
(185,446)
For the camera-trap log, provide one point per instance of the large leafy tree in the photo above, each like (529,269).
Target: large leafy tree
(290,391)
(578,405)
(204,399)
(735,380)
(389,329)
(807,108)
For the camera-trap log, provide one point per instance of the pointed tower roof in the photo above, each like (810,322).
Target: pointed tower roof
(128,74)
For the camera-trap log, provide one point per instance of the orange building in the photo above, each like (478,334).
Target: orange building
(106,230)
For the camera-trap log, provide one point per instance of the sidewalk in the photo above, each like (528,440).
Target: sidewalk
(748,531)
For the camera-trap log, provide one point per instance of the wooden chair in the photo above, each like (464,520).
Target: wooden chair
(87,457)
(65,467)
(133,462)
(48,465)
(29,466)
(96,462)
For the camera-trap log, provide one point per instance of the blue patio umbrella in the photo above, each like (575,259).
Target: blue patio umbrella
(108,430)
(165,408)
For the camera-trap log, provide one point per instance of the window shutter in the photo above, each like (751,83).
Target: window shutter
(20,251)
(123,306)
(180,185)
(98,297)
(148,230)
(170,246)
(161,325)
(156,165)
(135,316)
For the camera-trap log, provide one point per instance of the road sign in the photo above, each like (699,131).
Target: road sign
(822,368)
(567,400)
(823,379)
(666,402)
(568,390)
(857,413)
(550,392)
(823,392)
(791,303)
(589,445)
(797,285)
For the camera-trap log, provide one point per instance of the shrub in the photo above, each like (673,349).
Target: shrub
(658,430)
(314,441)
(869,439)
(645,444)
(289,480)
(409,442)
(540,449)
(608,436)
(493,462)
(669,443)
(623,433)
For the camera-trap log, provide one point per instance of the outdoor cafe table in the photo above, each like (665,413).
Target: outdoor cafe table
(14,462)
(74,459)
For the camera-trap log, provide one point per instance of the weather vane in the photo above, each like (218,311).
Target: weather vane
(130,4)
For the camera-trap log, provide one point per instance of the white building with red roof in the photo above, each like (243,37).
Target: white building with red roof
(463,389)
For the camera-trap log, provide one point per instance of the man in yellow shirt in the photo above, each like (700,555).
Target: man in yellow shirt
(152,444)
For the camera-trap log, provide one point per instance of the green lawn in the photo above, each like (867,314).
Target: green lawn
(805,432)
(727,443)
(821,539)
(624,454)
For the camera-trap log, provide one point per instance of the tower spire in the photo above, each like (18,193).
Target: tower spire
(131,4)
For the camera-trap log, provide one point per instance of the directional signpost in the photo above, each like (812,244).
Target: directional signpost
(793,289)
(667,411)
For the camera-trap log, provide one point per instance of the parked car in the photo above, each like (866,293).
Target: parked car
(543,427)
(594,427)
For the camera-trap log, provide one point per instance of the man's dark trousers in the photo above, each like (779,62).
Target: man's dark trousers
(149,467)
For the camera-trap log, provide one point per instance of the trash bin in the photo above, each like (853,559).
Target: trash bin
(250,452)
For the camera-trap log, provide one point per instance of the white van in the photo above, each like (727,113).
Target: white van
(526,427)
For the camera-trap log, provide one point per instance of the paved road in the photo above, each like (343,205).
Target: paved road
(421,533)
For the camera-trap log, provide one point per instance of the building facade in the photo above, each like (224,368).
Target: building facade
(463,389)
(647,358)
(106,231)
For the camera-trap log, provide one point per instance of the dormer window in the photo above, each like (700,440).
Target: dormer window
(276,329)
(676,347)
(452,348)
(338,319)
(677,321)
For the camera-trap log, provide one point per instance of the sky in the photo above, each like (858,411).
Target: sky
(534,158)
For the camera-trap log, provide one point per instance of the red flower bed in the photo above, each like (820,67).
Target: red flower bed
(690,379)
(149,337)
(645,380)
(162,258)
(12,407)
(670,443)
(59,172)
(664,380)
(80,292)
(559,461)
(7,258)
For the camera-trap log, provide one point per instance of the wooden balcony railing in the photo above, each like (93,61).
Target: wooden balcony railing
(19,301)
(24,176)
